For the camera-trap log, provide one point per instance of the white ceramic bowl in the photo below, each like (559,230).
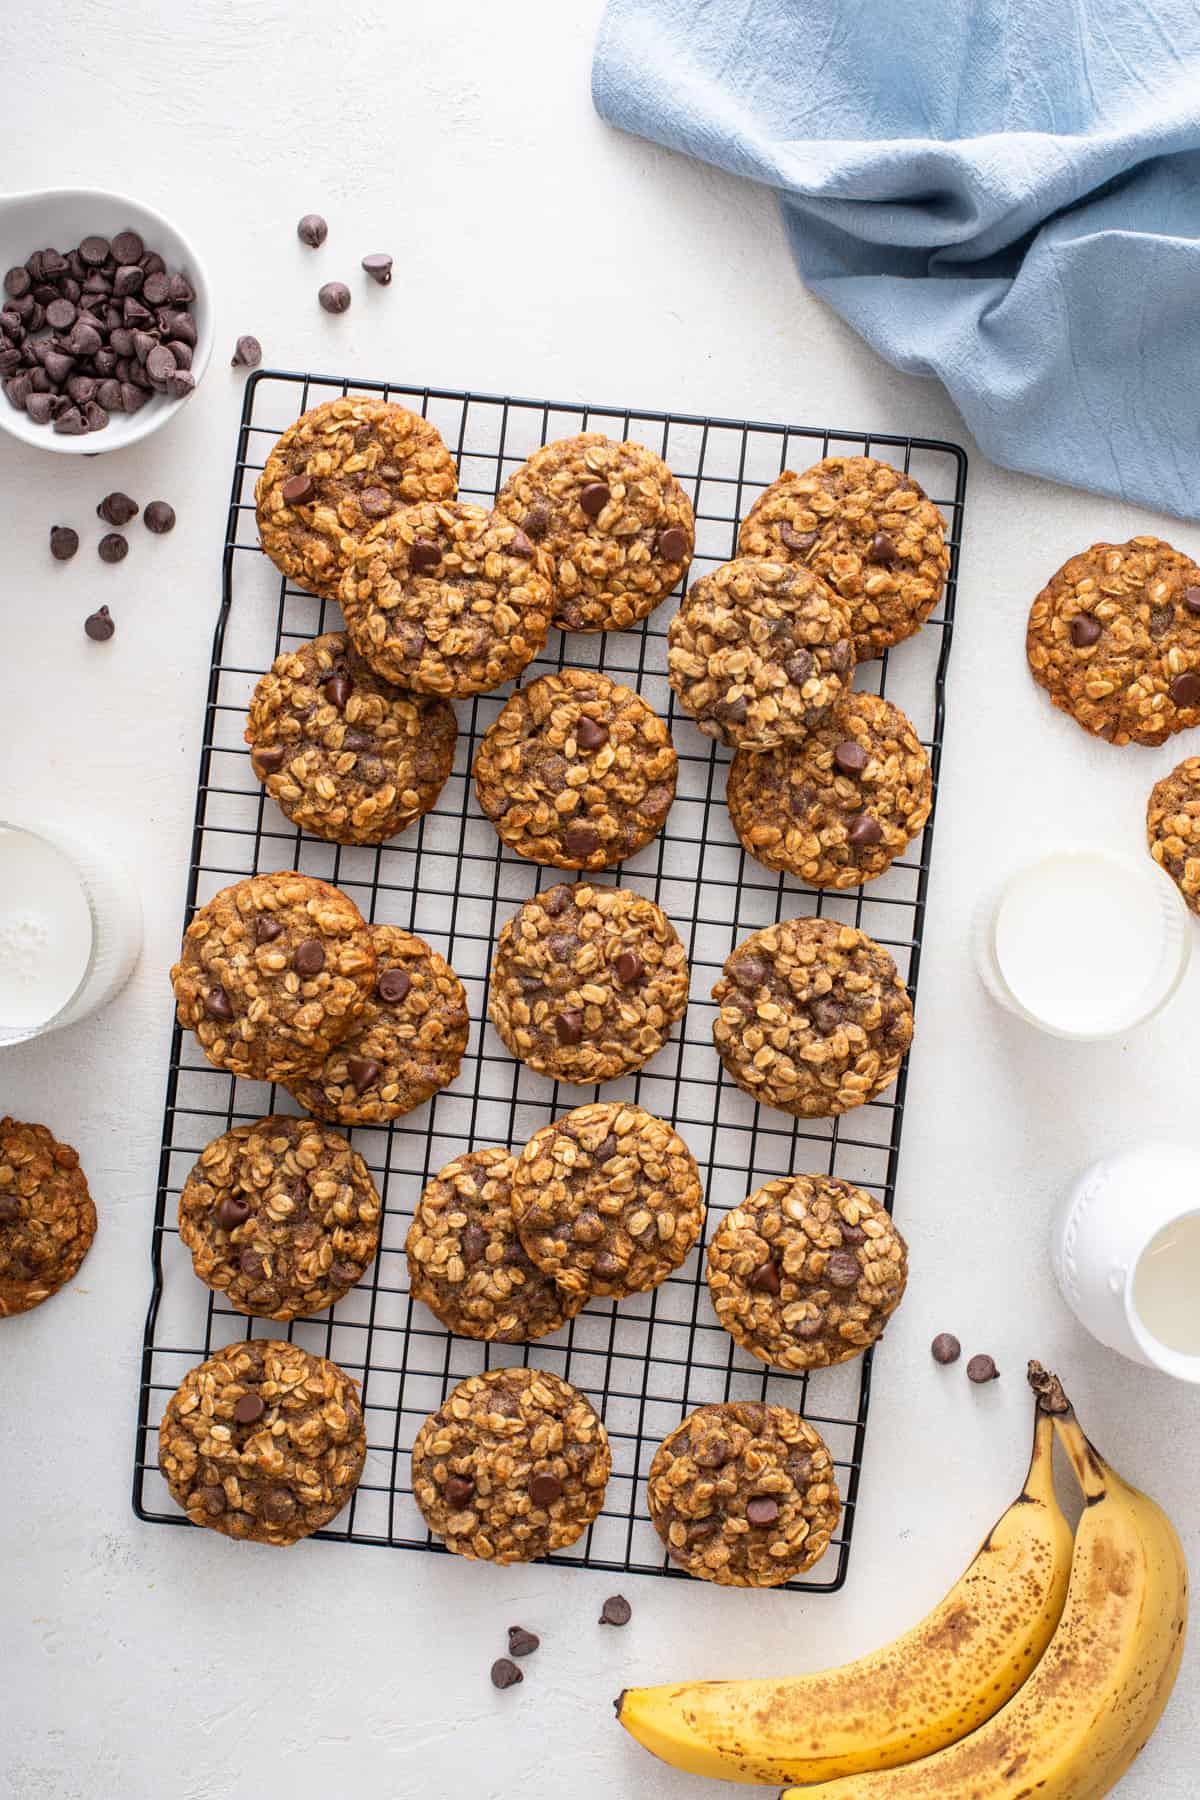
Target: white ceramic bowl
(58,218)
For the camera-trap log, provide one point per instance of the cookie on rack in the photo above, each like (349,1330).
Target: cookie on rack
(47,1216)
(744,1494)
(812,1017)
(263,1441)
(273,973)
(511,1466)
(838,805)
(587,982)
(405,1045)
(467,1264)
(759,651)
(576,771)
(336,475)
(616,524)
(343,753)
(806,1272)
(608,1199)
(1114,638)
(1173,827)
(281,1217)
(447,599)
(867,529)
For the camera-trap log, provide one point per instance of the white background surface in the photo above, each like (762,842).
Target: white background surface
(536,252)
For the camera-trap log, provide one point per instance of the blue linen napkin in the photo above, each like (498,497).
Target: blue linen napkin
(1002,193)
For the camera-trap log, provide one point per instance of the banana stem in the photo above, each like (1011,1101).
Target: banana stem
(1051,1397)
(1086,1462)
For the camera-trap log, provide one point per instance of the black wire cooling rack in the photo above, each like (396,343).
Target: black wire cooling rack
(648,1360)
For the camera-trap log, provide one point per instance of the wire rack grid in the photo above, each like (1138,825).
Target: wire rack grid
(646,1361)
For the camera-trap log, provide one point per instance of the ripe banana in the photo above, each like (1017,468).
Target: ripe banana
(928,1688)
(1078,1722)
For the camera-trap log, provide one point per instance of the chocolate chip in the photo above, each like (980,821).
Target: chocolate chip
(156,289)
(247,353)
(798,667)
(843,1269)
(630,968)
(17,282)
(108,393)
(251,1264)
(616,1611)
(850,757)
(473,1243)
(84,338)
(379,267)
(505,1673)
(117,509)
(1191,599)
(376,502)
(1160,622)
(841,657)
(10,1208)
(232,1212)
(216,1001)
(64,542)
(672,544)
(746,972)
(212,1499)
(1185,689)
(762,1510)
(266,929)
(545,1489)
(537,522)
(297,489)
(606,1148)
(1084,630)
(981,1369)
(160,364)
(363,1071)
(70,423)
(519,544)
(312,230)
(334,297)
(700,1530)
(338,688)
(266,762)
(593,499)
(248,1408)
(279,1506)
(797,540)
(883,549)
(656,804)
(590,734)
(308,958)
(159,517)
(92,250)
(61,315)
(127,281)
(765,1279)
(522,1642)
(393,985)
(128,247)
(945,1348)
(424,555)
(95,416)
(100,625)
(569,1026)
(458,1489)
(712,1452)
(864,830)
(113,547)
(580,840)
(828,1015)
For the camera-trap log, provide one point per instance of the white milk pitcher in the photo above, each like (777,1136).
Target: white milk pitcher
(1126,1252)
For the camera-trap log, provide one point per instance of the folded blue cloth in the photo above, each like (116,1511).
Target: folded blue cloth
(1002,193)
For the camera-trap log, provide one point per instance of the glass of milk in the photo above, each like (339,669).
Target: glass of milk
(1084,943)
(70,928)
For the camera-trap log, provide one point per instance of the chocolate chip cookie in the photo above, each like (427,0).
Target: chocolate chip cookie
(512,1465)
(263,1441)
(1114,638)
(576,771)
(759,651)
(407,1042)
(273,973)
(466,1262)
(867,529)
(47,1218)
(744,1494)
(1173,828)
(335,476)
(587,982)
(447,599)
(836,806)
(617,526)
(281,1217)
(343,753)
(607,1199)
(806,1272)
(812,1017)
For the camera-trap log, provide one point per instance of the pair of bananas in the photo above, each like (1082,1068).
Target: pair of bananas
(1042,1672)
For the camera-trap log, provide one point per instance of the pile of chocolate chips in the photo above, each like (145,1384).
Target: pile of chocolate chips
(94,332)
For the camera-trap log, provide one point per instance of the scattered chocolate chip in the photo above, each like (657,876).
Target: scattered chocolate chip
(247,353)
(334,296)
(1084,630)
(864,831)
(308,958)
(505,1673)
(363,1071)
(843,1269)
(883,549)
(616,1611)
(393,986)
(945,1348)
(762,1510)
(297,489)
(248,1408)
(424,555)
(216,1001)
(117,509)
(580,840)
(672,544)
(312,230)
(522,1642)
(266,929)
(379,267)
(537,521)
(159,517)
(569,1026)
(232,1212)
(590,734)
(113,547)
(100,625)
(1185,689)
(519,544)
(458,1489)
(64,542)
(630,968)
(981,1369)
(338,688)
(765,1279)
(545,1489)
(593,499)
(850,757)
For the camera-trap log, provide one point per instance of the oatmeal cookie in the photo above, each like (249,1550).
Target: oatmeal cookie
(281,1217)
(273,973)
(263,1441)
(1173,827)
(836,806)
(869,531)
(335,476)
(615,522)
(806,1272)
(466,1262)
(1114,638)
(512,1465)
(607,1199)
(812,1017)
(587,982)
(576,771)
(743,1494)
(759,651)
(406,1044)
(447,599)
(47,1218)
(344,754)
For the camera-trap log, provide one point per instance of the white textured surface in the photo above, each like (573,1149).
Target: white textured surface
(539,253)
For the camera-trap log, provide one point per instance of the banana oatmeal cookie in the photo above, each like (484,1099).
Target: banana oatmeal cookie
(1114,638)
(743,1494)
(587,982)
(273,973)
(1173,827)
(447,599)
(806,1272)
(281,1217)
(336,475)
(759,651)
(47,1217)
(466,1262)
(812,1017)
(616,524)
(576,771)
(608,1199)
(406,1044)
(263,1441)
(344,754)
(836,806)
(512,1465)
(869,531)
